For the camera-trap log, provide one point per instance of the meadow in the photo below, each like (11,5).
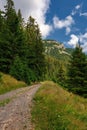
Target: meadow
(56,109)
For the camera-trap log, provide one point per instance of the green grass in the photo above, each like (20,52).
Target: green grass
(8,83)
(57,109)
(4,102)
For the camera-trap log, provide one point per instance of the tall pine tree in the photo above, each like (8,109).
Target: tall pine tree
(5,48)
(78,72)
(35,56)
(16,39)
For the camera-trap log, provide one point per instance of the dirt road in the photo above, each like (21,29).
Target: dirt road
(16,114)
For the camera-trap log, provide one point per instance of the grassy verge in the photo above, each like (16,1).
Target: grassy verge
(8,83)
(4,102)
(56,109)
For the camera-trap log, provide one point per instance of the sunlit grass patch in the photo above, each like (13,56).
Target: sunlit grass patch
(9,83)
(56,109)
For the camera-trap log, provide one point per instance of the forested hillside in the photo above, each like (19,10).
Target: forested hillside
(57,59)
(66,66)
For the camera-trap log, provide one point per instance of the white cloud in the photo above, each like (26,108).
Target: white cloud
(2,3)
(83,40)
(73,13)
(83,37)
(76,9)
(85,47)
(66,23)
(46,29)
(73,41)
(83,14)
(38,10)
(68,30)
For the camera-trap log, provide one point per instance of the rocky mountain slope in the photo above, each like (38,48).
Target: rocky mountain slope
(56,49)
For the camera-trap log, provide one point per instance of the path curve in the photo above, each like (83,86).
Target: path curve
(16,114)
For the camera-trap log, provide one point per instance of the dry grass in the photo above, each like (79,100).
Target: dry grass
(8,83)
(57,109)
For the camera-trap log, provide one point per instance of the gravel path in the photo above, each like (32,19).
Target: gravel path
(16,114)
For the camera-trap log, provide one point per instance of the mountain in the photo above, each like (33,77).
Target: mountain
(57,50)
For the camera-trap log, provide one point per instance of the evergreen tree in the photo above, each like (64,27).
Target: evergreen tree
(11,22)
(5,48)
(61,75)
(17,38)
(36,60)
(12,37)
(1,21)
(20,48)
(21,71)
(78,72)
(21,20)
(10,16)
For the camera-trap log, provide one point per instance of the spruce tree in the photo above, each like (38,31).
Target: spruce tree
(17,38)
(11,21)
(5,48)
(21,19)
(61,75)
(35,56)
(19,42)
(78,72)
(10,16)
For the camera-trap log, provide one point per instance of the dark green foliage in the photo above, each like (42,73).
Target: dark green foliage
(20,71)
(0,77)
(21,20)
(78,72)
(35,49)
(21,48)
(7,39)
(61,75)
(10,16)
(5,48)
(1,21)
(17,69)
(70,50)
(16,39)
(10,44)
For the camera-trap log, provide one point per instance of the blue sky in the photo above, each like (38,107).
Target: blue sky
(69,19)
(61,20)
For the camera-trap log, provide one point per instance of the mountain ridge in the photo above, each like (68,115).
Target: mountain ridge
(56,49)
